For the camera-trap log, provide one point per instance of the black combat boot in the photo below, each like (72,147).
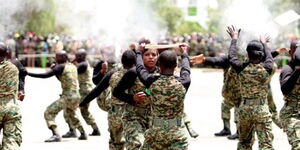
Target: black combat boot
(95,132)
(224,132)
(82,136)
(234,136)
(54,138)
(192,132)
(70,134)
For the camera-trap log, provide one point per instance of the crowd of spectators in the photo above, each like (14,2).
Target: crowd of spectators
(35,51)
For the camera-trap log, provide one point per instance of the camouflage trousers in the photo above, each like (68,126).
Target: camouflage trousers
(136,122)
(290,117)
(115,127)
(254,118)
(102,100)
(69,105)
(166,137)
(10,122)
(87,116)
(273,109)
(226,106)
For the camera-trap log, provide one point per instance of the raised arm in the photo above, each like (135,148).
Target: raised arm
(268,63)
(185,71)
(234,61)
(125,83)
(101,86)
(57,70)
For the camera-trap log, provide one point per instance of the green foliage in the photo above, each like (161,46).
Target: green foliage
(42,22)
(187,27)
(169,15)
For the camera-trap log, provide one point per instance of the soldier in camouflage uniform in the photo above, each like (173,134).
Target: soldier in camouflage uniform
(230,91)
(85,86)
(230,96)
(22,73)
(116,106)
(10,115)
(290,87)
(67,74)
(254,78)
(136,115)
(167,94)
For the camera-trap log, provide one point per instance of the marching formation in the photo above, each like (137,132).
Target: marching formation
(144,98)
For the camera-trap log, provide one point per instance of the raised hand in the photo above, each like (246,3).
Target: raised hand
(197,59)
(234,34)
(265,39)
(104,68)
(184,47)
(141,47)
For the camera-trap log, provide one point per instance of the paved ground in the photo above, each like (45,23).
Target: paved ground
(203,103)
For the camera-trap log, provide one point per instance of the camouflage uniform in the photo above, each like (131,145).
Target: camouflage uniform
(167,130)
(10,115)
(254,114)
(115,122)
(136,119)
(231,94)
(68,101)
(290,117)
(85,87)
(103,99)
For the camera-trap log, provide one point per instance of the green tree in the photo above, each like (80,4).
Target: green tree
(187,27)
(168,14)
(42,21)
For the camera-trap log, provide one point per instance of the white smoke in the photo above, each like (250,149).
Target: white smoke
(117,20)
(253,17)
(7,12)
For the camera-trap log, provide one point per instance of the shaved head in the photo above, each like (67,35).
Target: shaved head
(168,59)
(61,56)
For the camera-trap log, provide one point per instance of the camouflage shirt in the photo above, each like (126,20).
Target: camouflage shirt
(85,80)
(254,81)
(113,82)
(9,80)
(231,87)
(167,97)
(69,80)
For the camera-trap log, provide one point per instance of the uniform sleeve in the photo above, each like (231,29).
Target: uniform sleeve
(185,71)
(82,67)
(101,86)
(146,78)
(234,61)
(97,75)
(288,79)
(22,74)
(268,63)
(218,61)
(125,83)
(274,54)
(57,70)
